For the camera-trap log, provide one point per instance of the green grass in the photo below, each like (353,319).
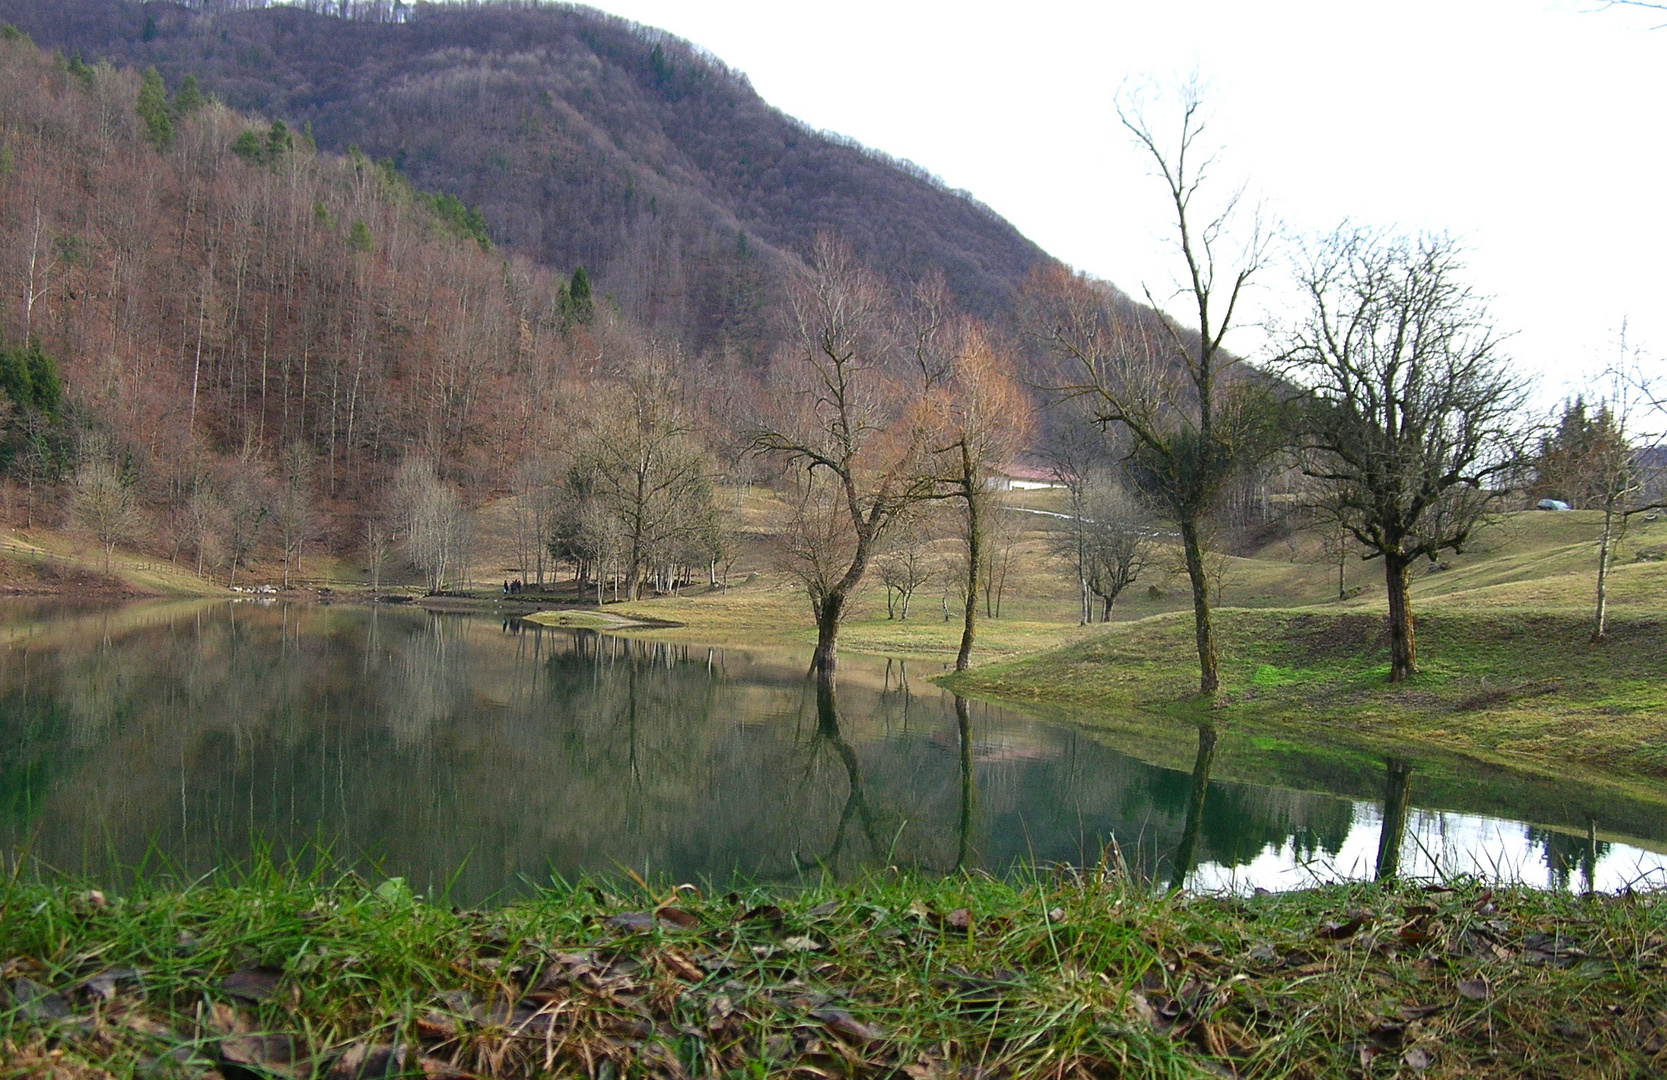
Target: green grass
(1497,683)
(290,974)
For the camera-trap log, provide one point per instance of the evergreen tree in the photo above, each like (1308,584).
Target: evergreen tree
(188,98)
(1576,462)
(153,109)
(359,238)
(248,147)
(580,307)
(30,379)
(44,386)
(14,378)
(278,141)
(79,68)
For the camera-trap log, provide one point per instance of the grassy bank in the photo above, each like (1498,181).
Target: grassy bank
(1509,676)
(894,976)
(44,562)
(1502,681)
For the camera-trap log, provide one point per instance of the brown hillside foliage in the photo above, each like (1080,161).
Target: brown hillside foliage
(584,139)
(208,311)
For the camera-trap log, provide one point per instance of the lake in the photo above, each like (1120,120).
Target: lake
(481,756)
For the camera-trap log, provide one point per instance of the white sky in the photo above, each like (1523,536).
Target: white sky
(1533,130)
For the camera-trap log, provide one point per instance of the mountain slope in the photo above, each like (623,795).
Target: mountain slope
(585,139)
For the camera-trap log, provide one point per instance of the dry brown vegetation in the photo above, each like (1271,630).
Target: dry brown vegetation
(585,140)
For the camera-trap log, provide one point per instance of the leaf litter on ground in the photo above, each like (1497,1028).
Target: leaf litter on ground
(1069,975)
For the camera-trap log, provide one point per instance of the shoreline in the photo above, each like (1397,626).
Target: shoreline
(1508,679)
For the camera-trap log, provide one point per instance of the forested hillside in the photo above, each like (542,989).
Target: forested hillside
(237,332)
(584,140)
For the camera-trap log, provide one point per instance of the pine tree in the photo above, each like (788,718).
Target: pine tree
(14,378)
(248,147)
(153,109)
(46,391)
(581,308)
(188,98)
(278,141)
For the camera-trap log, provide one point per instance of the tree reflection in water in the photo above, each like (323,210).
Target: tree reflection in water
(1202,762)
(963,828)
(1392,837)
(856,801)
(423,743)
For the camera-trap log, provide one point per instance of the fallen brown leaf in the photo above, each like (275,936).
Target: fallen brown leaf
(677,917)
(273,1055)
(843,1023)
(1417,1059)
(680,966)
(1341,931)
(1476,989)
(252,983)
(630,920)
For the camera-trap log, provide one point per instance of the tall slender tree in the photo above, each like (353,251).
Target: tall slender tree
(1194,416)
(984,419)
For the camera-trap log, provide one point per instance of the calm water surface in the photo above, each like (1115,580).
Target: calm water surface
(419,744)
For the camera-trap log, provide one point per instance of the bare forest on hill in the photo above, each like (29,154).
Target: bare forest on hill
(225,346)
(584,140)
(228,310)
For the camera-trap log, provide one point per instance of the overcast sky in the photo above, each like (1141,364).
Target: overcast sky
(1533,130)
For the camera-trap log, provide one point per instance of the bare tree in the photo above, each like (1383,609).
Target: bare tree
(852,426)
(1337,547)
(377,550)
(1109,537)
(1609,472)
(293,511)
(433,523)
(532,512)
(1195,419)
(985,418)
(244,508)
(103,500)
(1004,536)
(37,460)
(1078,452)
(1409,411)
(908,561)
(642,466)
(205,521)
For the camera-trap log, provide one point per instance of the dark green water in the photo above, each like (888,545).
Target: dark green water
(191,735)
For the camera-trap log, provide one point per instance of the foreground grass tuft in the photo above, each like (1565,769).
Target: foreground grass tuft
(1073,976)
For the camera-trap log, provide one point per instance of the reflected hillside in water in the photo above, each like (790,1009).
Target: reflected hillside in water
(422,743)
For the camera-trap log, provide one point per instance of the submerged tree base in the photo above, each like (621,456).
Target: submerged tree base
(1079,975)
